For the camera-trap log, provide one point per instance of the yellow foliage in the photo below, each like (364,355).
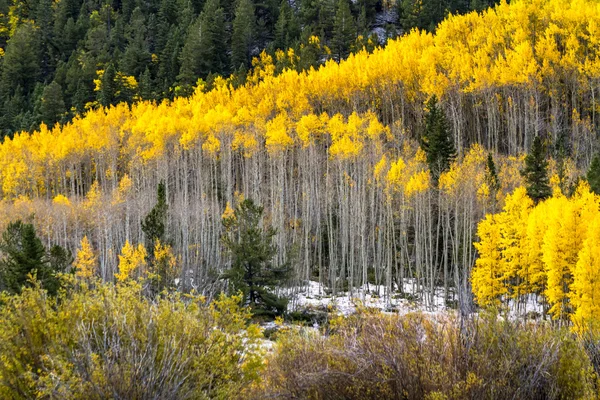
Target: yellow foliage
(379,168)
(86,261)
(228,213)
(521,45)
(277,138)
(132,262)
(62,200)
(488,276)
(418,183)
(549,249)
(212,145)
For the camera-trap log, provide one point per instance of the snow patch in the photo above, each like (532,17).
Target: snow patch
(314,295)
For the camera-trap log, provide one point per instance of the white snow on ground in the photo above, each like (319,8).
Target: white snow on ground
(313,295)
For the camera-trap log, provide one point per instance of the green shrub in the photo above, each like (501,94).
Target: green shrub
(108,341)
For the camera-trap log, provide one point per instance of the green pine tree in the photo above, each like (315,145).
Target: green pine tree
(52,107)
(244,26)
(205,49)
(422,14)
(155,223)
(491,178)
(561,169)
(344,31)
(437,141)
(24,254)
(287,28)
(21,61)
(593,174)
(136,57)
(535,172)
(252,270)
(170,64)
(108,89)
(491,175)
(146,86)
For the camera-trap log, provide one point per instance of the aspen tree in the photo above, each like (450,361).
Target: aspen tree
(86,261)
(132,262)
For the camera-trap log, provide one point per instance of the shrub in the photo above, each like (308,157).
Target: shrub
(106,341)
(376,356)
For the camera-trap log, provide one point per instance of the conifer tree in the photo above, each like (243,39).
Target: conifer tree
(24,254)
(244,25)
(145,86)
(491,175)
(287,28)
(593,174)
(344,30)
(535,172)
(437,140)
(52,107)
(491,178)
(560,154)
(155,223)
(252,270)
(205,47)
(21,61)
(108,89)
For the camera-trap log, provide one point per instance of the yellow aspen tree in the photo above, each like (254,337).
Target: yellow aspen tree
(86,261)
(562,242)
(585,289)
(513,223)
(165,269)
(487,278)
(132,261)
(535,272)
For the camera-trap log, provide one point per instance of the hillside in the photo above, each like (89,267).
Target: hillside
(61,58)
(332,154)
(416,220)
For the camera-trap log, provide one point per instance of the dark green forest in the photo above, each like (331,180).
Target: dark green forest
(60,58)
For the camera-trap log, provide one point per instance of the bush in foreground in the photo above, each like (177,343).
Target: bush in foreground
(107,341)
(375,356)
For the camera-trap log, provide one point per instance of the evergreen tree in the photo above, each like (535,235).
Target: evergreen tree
(491,177)
(170,65)
(137,57)
(344,30)
(593,174)
(560,157)
(287,28)
(24,254)
(145,85)
(252,270)
(155,223)
(421,14)
(437,140)
(535,172)
(21,62)
(205,47)
(244,26)
(108,89)
(52,107)
(215,39)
